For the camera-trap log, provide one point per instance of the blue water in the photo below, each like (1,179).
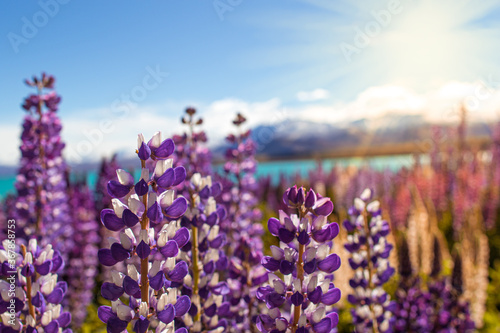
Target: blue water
(273,169)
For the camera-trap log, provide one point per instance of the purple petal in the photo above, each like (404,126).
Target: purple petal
(182,306)
(273,224)
(310,199)
(118,252)
(56,296)
(141,325)
(130,286)
(117,190)
(330,263)
(324,326)
(179,272)
(181,237)
(44,268)
(129,218)
(115,325)
(218,241)
(331,297)
(167,315)
(170,250)
(111,221)
(167,179)
(325,207)
(141,188)
(111,291)
(165,149)
(315,295)
(303,237)
(270,263)
(158,281)
(52,327)
(179,175)
(285,235)
(297,298)
(216,189)
(154,213)
(274,300)
(286,267)
(144,151)
(177,209)
(105,257)
(57,262)
(105,313)
(143,250)
(64,319)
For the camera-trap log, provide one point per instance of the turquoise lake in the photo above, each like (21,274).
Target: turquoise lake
(275,168)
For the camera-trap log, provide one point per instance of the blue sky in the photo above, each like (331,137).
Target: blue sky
(270,59)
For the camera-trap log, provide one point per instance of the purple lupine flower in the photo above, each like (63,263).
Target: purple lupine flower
(146,213)
(243,230)
(450,312)
(82,262)
(412,301)
(206,257)
(107,172)
(190,151)
(369,259)
(42,204)
(31,295)
(305,261)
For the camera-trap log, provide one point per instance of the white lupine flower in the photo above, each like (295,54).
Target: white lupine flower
(117,277)
(359,204)
(118,207)
(277,253)
(318,314)
(274,313)
(46,318)
(366,194)
(125,241)
(135,204)
(156,140)
(143,309)
(132,272)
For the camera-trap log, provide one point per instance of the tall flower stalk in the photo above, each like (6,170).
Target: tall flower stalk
(370,251)
(205,256)
(31,295)
(300,301)
(243,228)
(82,262)
(147,214)
(190,151)
(42,204)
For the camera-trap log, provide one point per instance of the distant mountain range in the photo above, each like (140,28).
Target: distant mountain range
(293,139)
(297,138)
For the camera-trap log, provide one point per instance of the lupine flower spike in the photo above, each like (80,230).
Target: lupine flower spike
(31,295)
(305,261)
(146,295)
(370,251)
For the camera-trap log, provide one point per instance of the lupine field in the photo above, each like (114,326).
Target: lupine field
(182,244)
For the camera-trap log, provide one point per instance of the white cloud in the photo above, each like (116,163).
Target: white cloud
(86,136)
(314,95)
